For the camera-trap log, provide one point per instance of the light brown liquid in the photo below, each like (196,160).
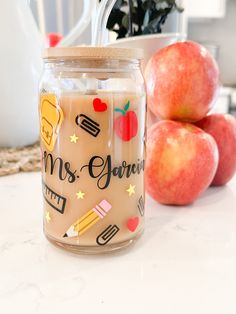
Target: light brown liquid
(70,174)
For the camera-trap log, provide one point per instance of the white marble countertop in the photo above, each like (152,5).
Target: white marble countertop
(185,263)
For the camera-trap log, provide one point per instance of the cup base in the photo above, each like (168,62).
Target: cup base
(94,250)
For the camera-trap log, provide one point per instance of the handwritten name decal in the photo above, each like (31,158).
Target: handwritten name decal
(98,168)
(63,169)
(102,170)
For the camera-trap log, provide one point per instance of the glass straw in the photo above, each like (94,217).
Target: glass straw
(81,25)
(99,28)
(41,17)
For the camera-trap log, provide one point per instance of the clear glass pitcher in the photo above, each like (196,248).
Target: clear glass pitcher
(21,65)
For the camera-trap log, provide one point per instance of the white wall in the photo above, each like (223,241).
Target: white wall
(223,33)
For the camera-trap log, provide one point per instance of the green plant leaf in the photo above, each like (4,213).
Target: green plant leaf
(118,4)
(179,8)
(126,107)
(136,17)
(146,19)
(125,21)
(115,18)
(148,4)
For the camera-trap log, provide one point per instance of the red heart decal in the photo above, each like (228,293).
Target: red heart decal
(132,223)
(98,105)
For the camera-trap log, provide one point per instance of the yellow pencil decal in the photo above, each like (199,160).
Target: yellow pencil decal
(89,219)
(51,116)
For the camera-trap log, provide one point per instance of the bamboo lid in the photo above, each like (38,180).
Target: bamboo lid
(93,53)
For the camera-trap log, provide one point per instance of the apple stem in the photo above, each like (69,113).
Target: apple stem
(123,111)
(120,110)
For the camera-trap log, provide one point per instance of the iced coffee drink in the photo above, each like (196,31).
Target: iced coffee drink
(92,144)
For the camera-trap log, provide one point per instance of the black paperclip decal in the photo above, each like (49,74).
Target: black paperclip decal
(107,234)
(141,206)
(88,125)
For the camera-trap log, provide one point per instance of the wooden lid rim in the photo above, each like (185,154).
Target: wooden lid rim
(93,53)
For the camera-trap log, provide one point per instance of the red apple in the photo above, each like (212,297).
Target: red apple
(181,162)
(126,125)
(223,128)
(182,82)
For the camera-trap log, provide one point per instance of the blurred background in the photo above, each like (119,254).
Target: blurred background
(209,22)
(28,26)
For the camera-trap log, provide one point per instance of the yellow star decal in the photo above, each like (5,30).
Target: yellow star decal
(73,138)
(48,217)
(131,189)
(80,195)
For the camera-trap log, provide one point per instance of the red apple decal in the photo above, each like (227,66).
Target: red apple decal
(126,125)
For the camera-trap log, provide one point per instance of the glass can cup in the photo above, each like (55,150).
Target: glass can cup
(92,111)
